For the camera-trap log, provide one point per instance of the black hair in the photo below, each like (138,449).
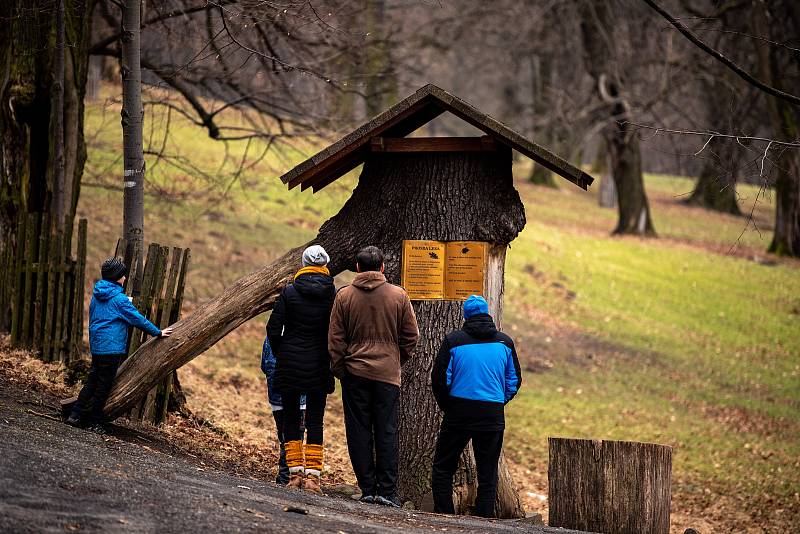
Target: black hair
(370,259)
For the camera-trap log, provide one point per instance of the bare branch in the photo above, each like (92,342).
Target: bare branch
(721,58)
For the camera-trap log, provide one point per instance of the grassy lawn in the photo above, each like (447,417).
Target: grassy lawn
(691,339)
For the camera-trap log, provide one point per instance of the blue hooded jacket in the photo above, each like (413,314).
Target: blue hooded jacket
(110,315)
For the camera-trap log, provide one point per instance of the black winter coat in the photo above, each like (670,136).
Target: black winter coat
(298,335)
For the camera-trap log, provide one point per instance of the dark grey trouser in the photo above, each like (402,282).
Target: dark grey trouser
(371,411)
(98,385)
(449,445)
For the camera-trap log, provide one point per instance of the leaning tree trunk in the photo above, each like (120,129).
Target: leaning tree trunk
(469,196)
(132,123)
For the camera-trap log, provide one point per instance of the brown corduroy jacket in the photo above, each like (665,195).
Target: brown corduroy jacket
(373,330)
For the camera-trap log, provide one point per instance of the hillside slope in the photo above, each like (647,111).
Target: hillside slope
(691,339)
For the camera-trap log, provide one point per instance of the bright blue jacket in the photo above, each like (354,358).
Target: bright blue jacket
(475,374)
(268,363)
(110,315)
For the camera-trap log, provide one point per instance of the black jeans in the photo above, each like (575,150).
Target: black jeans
(94,393)
(449,445)
(370,420)
(314,417)
(283,469)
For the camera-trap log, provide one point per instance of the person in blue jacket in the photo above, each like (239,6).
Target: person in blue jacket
(276,404)
(110,314)
(475,374)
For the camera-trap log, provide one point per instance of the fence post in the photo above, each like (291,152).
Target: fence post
(30,251)
(16,287)
(80,287)
(49,322)
(41,282)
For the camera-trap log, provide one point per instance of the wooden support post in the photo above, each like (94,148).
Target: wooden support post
(609,486)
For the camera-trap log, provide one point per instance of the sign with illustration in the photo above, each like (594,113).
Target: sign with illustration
(443,270)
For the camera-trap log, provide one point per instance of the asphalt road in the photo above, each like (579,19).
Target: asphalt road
(55,478)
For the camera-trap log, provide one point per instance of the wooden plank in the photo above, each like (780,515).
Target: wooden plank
(58,321)
(31,241)
(169,291)
(160,272)
(140,301)
(41,282)
(433,144)
(50,305)
(17,287)
(176,308)
(80,287)
(66,317)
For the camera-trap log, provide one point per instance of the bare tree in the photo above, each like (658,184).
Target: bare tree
(600,42)
(132,124)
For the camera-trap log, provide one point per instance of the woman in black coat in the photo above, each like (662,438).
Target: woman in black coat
(298,335)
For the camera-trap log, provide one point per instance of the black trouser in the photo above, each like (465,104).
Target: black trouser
(370,420)
(315,416)
(283,469)
(95,391)
(450,444)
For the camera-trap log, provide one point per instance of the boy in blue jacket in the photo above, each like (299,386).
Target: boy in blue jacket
(110,314)
(474,376)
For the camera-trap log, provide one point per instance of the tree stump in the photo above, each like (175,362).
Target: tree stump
(609,486)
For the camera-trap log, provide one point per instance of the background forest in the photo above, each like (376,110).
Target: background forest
(662,305)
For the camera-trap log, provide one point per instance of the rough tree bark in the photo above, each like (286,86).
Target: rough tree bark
(622,142)
(609,486)
(132,123)
(469,196)
(27,114)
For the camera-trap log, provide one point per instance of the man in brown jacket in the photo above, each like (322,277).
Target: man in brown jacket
(373,331)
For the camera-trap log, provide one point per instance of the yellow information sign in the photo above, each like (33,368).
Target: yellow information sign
(438,270)
(465,265)
(423,269)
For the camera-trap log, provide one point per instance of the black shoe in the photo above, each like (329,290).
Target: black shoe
(74,420)
(367,499)
(100,429)
(387,501)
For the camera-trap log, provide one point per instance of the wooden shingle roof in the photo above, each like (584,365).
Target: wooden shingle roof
(407,116)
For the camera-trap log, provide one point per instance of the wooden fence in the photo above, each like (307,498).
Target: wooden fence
(159,297)
(44,285)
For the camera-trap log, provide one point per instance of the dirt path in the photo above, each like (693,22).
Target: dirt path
(54,478)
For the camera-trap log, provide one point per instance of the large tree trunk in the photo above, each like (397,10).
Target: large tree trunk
(781,22)
(27,116)
(716,185)
(132,123)
(624,155)
(465,196)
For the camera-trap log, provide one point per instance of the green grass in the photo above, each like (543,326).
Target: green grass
(671,340)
